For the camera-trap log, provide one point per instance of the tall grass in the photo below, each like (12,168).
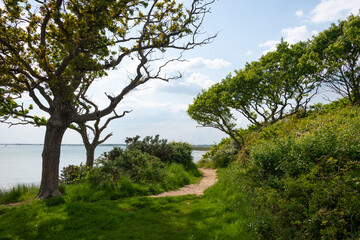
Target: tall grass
(18,193)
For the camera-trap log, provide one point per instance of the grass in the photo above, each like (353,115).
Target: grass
(216,215)
(18,193)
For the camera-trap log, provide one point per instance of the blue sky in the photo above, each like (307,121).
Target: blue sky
(247,29)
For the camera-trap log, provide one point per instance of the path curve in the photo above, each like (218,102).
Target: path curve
(209,179)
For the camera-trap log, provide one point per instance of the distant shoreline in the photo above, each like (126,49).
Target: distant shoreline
(202,147)
(65,144)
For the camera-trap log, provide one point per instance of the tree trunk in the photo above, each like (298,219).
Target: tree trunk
(49,186)
(90,154)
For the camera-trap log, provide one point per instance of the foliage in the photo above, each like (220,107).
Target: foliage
(173,152)
(140,166)
(145,167)
(73,173)
(210,110)
(280,83)
(303,176)
(54,50)
(220,155)
(338,48)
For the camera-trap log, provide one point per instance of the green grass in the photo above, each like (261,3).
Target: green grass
(216,215)
(18,193)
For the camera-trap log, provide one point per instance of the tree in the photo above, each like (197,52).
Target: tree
(91,143)
(210,110)
(265,91)
(54,50)
(339,51)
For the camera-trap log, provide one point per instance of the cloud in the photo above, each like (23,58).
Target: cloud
(269,45)
(198,63)
(290,35)
(248,53)
(299,13)
(296,34)
(198,79)
(332,10)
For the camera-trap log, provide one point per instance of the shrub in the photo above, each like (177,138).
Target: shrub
(220,155)
(73,173)
(304,178)
(152,145)
(149,166)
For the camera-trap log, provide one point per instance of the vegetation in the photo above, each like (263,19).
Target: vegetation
(293,174)
(338,51)
(301,175)
(102,202)
(54,50)
(219,214)
(298,165)
(145,167)
(90,143)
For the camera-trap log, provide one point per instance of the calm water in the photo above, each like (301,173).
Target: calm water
(21,164)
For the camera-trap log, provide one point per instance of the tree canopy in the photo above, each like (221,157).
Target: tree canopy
(284,81)
(339,51)
(265,91)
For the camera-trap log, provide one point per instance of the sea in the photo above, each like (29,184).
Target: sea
(21,163)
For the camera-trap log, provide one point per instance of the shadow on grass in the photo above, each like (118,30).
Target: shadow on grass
(186,217)
(219,214)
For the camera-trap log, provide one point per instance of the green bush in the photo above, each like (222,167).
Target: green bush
(220,155)
(173,152)
(73,173)
(152,145)
(140,166)
(137,170)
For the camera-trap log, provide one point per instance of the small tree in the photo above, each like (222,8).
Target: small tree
(90,143)
(209,109)
(339,51)
(53,50)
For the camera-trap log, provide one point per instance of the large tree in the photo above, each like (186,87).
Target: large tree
(338,48)
(54,50)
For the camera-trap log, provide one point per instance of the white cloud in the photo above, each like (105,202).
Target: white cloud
(195,64)
(332,10)
(296,34)
(290,35)
(269,45)
(299,13)
(198,79)
(249,53)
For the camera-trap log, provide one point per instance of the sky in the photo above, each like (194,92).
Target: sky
(246,30)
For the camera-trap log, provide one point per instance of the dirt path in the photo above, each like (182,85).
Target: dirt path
(209,179)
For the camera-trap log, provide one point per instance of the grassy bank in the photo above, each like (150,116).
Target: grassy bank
(300,174)
(219,214)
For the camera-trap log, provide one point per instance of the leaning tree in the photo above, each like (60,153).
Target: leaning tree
(53,50)
(280,83)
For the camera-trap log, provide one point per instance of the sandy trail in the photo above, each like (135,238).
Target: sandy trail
(209,179)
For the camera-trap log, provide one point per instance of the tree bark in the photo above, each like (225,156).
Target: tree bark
(49,186)
(90,155)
